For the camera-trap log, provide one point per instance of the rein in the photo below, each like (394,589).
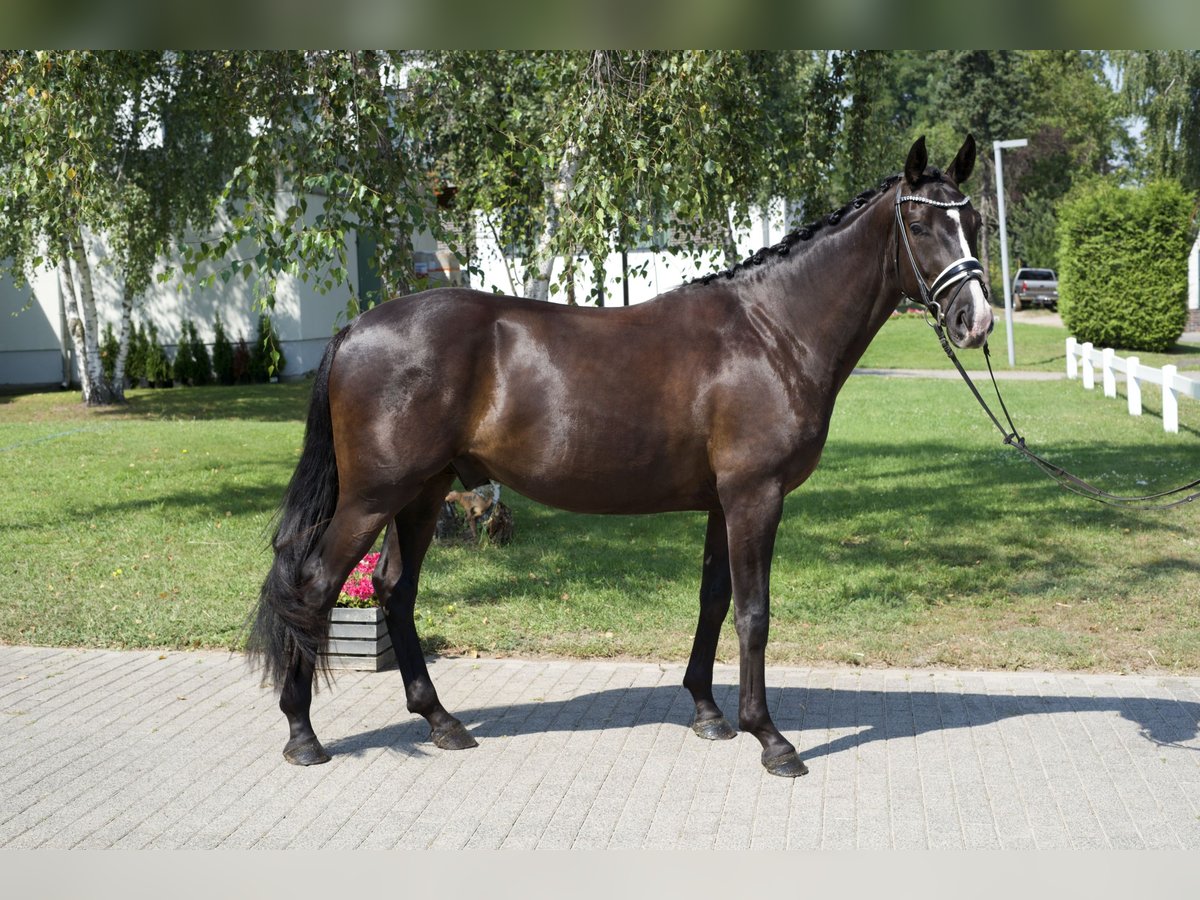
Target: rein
(960,272)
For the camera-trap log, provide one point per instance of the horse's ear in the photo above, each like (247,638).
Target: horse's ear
(918,158)
(964,164)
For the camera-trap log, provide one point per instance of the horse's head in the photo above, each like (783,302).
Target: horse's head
(937,237)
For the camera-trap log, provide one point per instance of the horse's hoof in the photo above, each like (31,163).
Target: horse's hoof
(453,737)
(785,765)
(307,752)
(717,729)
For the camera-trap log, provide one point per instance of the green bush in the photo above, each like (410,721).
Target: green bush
(192,364)
(266,356)
(109,348)
(158,365)
(222,355)
(241,362)
(135,358)
(184,367)
(1123,264)
(201,364)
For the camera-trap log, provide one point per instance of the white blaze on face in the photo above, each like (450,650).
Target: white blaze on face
(980,308)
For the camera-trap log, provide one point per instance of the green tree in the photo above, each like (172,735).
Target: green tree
(986,93)
(183,368)
(337,125)
(1122,281)
(158,364)
(875,106)
(109,348)
(1076,115)
(266,359)
(562,151)
(119,148)
(222,355)
(1163,88)
(1075,134)
(137,354)
(1060,100)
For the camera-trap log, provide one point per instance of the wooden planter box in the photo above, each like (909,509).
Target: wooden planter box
(358,640)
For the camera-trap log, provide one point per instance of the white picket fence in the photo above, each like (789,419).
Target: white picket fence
(1086,358)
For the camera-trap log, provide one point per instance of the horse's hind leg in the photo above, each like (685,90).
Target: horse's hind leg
(396,578)
(349,535)
(716,588)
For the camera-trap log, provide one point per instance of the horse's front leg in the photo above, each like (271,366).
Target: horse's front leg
(752,518)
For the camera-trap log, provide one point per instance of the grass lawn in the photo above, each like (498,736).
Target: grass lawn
(906,342)
(920,540)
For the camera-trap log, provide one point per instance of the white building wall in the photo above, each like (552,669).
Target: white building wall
(31,331)
(662,271)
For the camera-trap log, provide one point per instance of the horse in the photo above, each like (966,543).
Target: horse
(715,396)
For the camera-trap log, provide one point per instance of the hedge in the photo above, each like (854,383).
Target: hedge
(1123,263)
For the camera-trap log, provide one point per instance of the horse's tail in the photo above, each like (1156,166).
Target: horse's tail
(284,629)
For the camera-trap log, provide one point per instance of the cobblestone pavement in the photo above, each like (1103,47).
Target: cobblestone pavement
(149,749)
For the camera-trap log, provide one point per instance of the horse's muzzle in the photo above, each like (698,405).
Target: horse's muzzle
(969,319)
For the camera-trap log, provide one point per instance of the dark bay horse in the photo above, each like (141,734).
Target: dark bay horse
(715,396)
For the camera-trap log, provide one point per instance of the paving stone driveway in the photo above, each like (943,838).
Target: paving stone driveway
(149,749)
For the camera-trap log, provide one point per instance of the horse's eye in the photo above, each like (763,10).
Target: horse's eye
(917,228)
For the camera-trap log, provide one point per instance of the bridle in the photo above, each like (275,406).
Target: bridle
(959,273)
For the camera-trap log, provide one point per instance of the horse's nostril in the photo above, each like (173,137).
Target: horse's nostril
(963,320)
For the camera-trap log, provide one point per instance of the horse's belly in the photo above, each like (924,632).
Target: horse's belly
(604,482)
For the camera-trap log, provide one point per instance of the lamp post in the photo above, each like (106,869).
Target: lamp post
(997,146)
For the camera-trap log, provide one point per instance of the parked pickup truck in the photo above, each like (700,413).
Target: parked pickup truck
(1035,287)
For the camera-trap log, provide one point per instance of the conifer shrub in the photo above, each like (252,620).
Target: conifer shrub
(1123,264)
(184,368)
(109,348)
(222,354)
(241,362)
(201,362)
(158,364)
(266,356)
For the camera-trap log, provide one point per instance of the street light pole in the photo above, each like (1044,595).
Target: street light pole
(997,146)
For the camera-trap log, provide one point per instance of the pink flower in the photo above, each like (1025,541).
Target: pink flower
(358,589)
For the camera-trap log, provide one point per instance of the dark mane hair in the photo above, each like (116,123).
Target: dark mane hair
(803,233)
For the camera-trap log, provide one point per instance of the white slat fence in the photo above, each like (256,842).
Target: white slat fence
(1084,358)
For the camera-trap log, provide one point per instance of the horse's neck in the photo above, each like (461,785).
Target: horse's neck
(834,299)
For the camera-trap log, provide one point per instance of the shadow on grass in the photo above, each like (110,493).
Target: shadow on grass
(230,494)
(284,402)
(982,520)
(875,716)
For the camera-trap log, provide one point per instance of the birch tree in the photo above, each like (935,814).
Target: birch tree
(203,153)
(569,153)
(336,125)
(1163,88)
(123,148)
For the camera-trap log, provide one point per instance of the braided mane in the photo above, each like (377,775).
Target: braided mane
(803,233)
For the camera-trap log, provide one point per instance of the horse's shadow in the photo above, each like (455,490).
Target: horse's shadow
(873,716)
